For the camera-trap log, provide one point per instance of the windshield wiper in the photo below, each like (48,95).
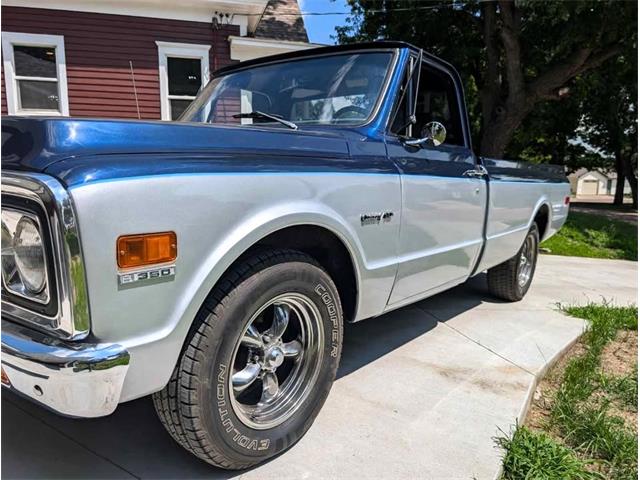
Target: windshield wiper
(270,116)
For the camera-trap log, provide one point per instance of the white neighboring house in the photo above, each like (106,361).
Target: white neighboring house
(594,182)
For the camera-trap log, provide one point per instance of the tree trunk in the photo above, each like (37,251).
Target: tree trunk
(618,198)
(499,130)
(631,176)
(496,135)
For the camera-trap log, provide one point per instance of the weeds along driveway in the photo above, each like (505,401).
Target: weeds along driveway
(421,393)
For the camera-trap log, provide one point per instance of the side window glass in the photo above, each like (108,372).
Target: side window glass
(437,101)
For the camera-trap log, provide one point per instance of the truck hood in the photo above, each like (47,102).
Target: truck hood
(35,144)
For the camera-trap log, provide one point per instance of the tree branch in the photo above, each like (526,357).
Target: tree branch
(600,57)
(582,60)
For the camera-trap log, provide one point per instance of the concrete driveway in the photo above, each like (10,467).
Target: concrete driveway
(421,393)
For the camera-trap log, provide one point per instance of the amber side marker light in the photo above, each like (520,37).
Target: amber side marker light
(5,377)
(146,249)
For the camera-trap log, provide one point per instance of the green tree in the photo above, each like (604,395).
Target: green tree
(609,121)
(550,134)
(595,127)
(513,55)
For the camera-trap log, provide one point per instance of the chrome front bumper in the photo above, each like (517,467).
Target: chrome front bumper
(74,379)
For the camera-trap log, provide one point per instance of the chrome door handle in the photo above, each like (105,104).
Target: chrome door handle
(478,172)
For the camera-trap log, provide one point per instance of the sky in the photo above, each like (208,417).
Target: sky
(320,28)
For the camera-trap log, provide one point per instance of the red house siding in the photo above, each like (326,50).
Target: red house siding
(98,48)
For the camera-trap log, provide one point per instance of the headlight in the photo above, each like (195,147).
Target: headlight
(24,271)
(29,253)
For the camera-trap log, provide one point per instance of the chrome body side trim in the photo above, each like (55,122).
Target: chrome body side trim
(71,378)
(72,320)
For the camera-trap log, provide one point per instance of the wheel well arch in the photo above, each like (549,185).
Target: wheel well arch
(323,245)
(541,219)
(328,250)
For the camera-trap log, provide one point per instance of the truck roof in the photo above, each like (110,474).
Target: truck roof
(310,52)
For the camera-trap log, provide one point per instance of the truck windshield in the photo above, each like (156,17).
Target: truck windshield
(337,89)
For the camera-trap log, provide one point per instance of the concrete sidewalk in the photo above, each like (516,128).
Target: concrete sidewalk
(421,393)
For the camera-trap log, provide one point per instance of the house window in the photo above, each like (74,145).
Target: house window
(35,74)
(183,68)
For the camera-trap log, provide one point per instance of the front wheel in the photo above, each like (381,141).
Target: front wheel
(511,280)
(259,362)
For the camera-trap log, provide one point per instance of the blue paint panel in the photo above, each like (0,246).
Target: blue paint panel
(89,169)
(514,171)
(37,143)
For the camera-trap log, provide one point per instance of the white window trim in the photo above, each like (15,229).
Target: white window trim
(179,50)
(9,39)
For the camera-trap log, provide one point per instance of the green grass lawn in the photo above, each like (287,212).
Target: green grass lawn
(596,236)
(583,426)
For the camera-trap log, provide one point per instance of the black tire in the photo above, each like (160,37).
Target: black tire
(196,406)
(167,404)
(503,279)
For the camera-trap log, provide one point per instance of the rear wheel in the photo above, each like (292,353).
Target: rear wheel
(511,280)
(259,362)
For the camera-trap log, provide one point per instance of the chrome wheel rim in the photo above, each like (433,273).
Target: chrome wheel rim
(276,361)
(525,266)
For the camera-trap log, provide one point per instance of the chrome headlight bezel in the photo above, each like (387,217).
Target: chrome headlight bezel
(67,314)
(14,286)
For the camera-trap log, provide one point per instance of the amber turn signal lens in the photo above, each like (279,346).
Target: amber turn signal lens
(5,378)
(147,249)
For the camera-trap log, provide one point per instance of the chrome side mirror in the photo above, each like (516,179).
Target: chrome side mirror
(433,134)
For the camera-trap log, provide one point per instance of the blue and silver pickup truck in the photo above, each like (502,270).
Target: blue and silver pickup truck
(211,262)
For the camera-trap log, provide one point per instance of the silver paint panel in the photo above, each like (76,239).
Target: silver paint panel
(219,216)
(216,218)
(441,233)
(512,208)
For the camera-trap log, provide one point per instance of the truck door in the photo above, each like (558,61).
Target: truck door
(444,196)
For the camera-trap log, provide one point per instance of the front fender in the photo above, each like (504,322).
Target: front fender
(216,218)
(250,231)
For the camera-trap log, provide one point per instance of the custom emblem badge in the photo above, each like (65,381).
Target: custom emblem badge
(375,218)
(150,274)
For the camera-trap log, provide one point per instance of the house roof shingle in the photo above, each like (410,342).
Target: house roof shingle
(281,20)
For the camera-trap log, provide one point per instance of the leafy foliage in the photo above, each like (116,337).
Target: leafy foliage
(526,65)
